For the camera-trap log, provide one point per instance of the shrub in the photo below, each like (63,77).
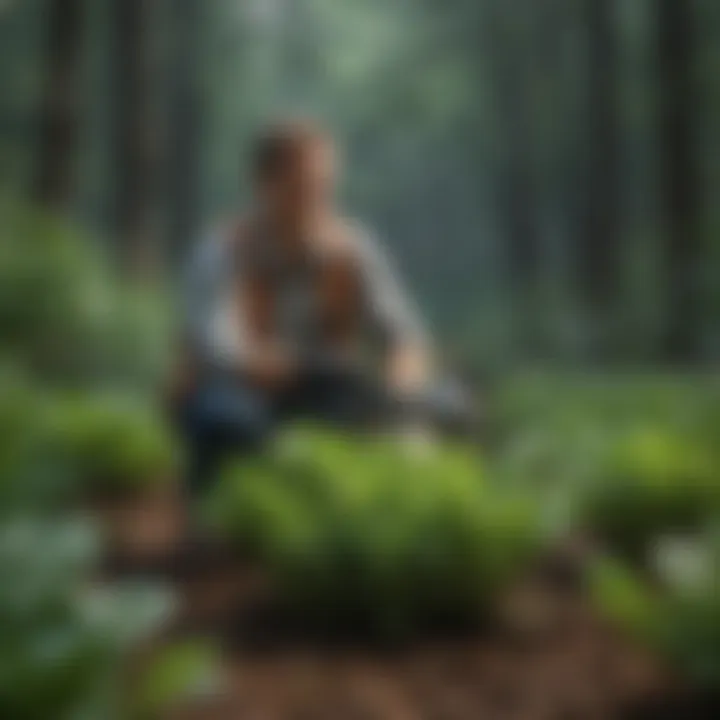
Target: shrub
(681,617)
(654,481)
(63,315)
(53,445)
(66,643)
(31,476)
(112,442)
(360,533)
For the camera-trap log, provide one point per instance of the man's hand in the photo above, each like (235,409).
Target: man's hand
(408,370)
(271,367)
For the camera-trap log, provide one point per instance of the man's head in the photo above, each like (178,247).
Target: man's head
(295,171)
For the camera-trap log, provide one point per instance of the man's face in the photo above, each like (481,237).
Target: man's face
(306,185)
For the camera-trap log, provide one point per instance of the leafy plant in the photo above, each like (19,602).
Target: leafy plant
(64,315)
(654,481)
(64,642)
(368,535)
(66,323)
(112,442)
(31,476)
(681,616)
(176,673)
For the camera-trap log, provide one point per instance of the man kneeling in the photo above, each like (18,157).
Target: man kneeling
(285,307)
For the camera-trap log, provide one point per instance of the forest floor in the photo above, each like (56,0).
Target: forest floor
(547,655)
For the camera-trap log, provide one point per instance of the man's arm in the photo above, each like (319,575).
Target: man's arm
(261,357)
(198,295)
(226,317)
(393,314)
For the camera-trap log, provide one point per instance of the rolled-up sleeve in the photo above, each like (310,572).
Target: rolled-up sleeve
(391,313)
(212,324)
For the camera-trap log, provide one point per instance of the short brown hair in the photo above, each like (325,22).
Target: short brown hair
(281,143)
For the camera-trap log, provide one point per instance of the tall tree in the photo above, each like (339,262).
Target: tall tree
(680,176)
(598,241)
(53,184)
(135,135)
(184,161)
(516,198)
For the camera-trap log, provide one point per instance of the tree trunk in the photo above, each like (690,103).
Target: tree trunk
(679,177)
(516,198)
(53,184)
(598,243)
(184,162)
(135,139)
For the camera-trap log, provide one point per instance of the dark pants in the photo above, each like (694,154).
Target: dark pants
(228,415)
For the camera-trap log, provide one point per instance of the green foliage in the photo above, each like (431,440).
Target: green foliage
(640,453)
(367,534)
(176,672)
(630,456)
(112,442)
(63,641)
(63,315)
(681,617)
(655,481)
(31,474)
(624,598)
(65,644)
(53,445)
(65,321)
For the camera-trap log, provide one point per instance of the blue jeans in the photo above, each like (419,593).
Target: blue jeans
(230,415)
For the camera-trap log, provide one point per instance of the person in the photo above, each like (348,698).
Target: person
(288,307)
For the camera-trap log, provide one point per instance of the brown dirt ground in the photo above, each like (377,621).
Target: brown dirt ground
(547,656)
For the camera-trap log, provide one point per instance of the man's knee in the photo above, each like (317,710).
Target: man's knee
(227,414)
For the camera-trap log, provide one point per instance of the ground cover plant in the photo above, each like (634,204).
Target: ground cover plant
(54,446)
(363,533)
(112,443)
(637,461)
(623,457)
(66,316)
(66,641)
(678,612)
(30,477)
(79,355)
(654,481)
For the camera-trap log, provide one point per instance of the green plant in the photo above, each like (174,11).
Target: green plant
(63,642)
(64,315)
(366,534)
(112,442)
(654,481)
(175,673)
(31,476)
(67,640)
(680,616)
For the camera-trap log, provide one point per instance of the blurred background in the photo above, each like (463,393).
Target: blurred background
(544,170)
(545,174)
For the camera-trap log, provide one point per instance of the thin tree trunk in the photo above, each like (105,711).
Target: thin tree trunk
(516,199)
(135,140)
(184,162)
(679,176)
(599,241)
(53,184)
